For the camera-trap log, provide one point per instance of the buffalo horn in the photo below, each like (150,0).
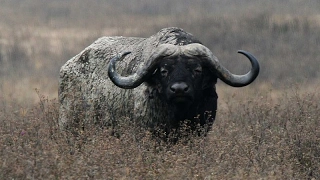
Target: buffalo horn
(143,72)
(208,59)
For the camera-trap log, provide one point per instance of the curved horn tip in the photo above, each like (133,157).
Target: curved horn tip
(119,57)
(243,52)
(124,54)
(247,54)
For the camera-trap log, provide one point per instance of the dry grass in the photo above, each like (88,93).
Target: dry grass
(263,131)
(253,137)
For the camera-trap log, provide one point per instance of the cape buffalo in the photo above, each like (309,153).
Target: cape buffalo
(158,81)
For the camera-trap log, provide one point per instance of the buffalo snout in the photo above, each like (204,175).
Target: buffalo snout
(180,92)
(180,88)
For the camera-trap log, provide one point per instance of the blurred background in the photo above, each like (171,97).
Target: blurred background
(38,36)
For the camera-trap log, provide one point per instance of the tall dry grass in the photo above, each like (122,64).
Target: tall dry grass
(254,136)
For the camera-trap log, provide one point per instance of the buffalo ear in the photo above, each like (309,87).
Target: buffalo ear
(153,81)
(153,85)
(209,79)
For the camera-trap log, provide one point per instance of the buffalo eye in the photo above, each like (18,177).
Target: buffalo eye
(197,70)
(163,72)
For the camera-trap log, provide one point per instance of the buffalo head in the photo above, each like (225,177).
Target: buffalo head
(183,77)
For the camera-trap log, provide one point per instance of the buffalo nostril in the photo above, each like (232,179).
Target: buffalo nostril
(179,87)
